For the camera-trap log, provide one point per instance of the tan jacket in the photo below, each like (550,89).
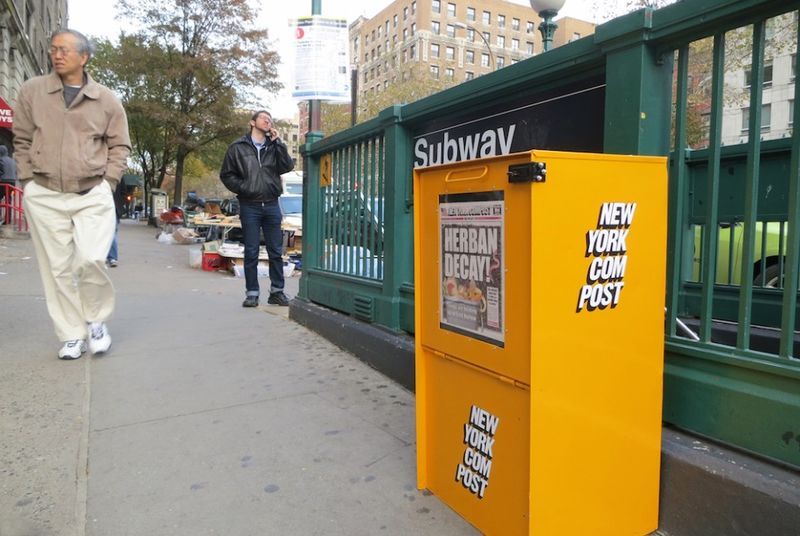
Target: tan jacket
(69,149)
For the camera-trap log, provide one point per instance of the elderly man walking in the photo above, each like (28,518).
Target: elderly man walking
(71,144)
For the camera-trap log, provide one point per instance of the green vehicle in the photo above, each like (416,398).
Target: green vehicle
(768,260)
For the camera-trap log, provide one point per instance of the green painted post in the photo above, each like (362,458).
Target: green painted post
(312,213)
(398,217)
(638,87)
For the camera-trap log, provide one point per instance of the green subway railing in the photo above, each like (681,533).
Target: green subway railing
(732,371)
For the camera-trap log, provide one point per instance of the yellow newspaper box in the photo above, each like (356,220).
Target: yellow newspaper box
(539,351)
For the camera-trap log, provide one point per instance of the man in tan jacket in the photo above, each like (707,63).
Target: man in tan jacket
(71,145)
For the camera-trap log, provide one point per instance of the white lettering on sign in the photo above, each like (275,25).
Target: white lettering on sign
(476,465)
(490,142)
(608,245)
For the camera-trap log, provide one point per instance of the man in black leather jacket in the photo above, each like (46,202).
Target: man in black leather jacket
(252,170)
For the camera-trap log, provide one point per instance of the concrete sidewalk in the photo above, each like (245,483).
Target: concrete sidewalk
(204,418)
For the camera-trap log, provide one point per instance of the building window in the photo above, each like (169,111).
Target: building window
(435,71)
(529,27)
(366,57)
(366,76)
(766,119)
(412,52)
(515,44)
(471,13)
(791,112)
(515,24)
(529,47)
(501,62)
(470,35)
(487,37)
(469,75)
(405,33)
(484,60)
(394,39)
(434,50)
(451,9)
(487,17)
(501,21)
(414,7)
(450,53)
(379,50)
(451,30)
(413,28)
(435,27)
(449,73)
(380,28)
(387,28)
(501,41)
(405,13)
(748,75)
(470,56)
(436,6)
(394,20)
(575,36)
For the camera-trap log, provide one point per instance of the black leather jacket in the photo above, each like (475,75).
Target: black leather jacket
(249,179)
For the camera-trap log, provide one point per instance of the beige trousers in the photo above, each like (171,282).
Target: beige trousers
(71,235)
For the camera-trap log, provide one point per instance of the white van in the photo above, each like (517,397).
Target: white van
(292,182)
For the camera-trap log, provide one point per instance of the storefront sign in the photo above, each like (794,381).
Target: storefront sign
(472,299)
(6,115)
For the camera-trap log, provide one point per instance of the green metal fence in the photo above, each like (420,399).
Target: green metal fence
(655,83)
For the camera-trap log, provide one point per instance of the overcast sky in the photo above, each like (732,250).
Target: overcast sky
(98,19)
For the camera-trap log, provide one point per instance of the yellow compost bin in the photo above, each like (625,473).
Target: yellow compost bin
(539,325)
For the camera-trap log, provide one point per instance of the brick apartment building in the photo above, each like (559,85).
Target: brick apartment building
(454,39)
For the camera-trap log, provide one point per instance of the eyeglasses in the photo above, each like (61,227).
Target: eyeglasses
(60,50)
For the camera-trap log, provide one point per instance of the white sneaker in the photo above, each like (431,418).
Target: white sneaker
(72,349)
(99,339)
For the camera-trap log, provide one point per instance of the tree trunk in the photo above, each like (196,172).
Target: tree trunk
(180,158)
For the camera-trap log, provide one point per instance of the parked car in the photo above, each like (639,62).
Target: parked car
(292,182)
(292,210)
(350,219)
(766,259)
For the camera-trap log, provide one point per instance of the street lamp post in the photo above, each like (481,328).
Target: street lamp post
(483,38)
(547,10)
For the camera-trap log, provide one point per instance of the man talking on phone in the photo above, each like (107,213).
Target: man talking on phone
(252,169)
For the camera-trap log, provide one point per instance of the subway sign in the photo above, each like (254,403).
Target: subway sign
(568,119)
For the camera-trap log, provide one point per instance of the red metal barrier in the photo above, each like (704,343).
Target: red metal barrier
(11,209)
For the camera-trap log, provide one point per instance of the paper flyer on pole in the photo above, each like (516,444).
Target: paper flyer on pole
(471,257)
(321,61)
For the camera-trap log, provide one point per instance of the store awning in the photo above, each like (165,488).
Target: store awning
(6,115)
(132,180)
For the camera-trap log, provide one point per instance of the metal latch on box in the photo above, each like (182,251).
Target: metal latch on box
(528,172)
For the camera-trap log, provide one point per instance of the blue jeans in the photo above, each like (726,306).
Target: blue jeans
(113,253)
(266,217)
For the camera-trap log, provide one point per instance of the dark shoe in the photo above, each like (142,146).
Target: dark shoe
(250,301)
(278,298)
